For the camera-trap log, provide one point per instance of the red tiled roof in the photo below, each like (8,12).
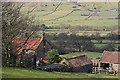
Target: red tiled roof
(23,43)
(110,57)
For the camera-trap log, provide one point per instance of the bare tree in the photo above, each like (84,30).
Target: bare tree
(13,24)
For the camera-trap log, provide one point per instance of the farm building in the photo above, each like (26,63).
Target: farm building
(95,63)
(79,64)
(26,59)
(29,50)
(116,31)
(22,43)
(110,61)
(25,50)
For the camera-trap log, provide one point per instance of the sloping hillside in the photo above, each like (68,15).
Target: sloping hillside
(73,14)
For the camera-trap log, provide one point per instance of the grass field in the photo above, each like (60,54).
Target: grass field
(72,15)
(30,73)
(65,13)
(74,31)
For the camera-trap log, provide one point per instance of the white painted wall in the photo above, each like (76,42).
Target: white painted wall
(116,67)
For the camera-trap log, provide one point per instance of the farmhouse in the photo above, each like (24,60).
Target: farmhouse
(110,61)
(29,50)
(25,50)
(79,64)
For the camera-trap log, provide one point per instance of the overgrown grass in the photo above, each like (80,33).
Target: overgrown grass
(30,73)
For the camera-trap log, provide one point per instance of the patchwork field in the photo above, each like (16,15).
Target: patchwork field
(74,31)
(30,73)
(73,14)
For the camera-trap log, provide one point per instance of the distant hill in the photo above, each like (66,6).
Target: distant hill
(54,14)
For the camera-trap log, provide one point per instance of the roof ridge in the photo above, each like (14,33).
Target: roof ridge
(103,54)
(77,57)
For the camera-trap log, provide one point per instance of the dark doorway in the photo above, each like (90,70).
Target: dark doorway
(105,65)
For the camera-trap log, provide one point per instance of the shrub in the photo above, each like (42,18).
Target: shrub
(53,56)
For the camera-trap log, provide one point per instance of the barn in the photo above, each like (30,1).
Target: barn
(79,64)
(110,61)
(28,51)
(25,50)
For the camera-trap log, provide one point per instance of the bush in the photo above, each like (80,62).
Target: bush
(56,67)
(53,56)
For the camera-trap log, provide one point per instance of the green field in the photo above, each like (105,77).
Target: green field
(89,54)
(65,14)
(74,16)
(74,31)
(30,73)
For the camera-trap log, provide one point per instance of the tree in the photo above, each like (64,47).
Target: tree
(61,41)
(53,56)
(109,47)
(13,24)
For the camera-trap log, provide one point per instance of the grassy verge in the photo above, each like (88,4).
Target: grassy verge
(30,73)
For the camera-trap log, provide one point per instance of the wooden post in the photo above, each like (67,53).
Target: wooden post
(99,66)
(95,70)
(110,68)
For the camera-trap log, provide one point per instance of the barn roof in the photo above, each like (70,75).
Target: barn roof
(110,57)
(79,61)
(116,31)
(24,43)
